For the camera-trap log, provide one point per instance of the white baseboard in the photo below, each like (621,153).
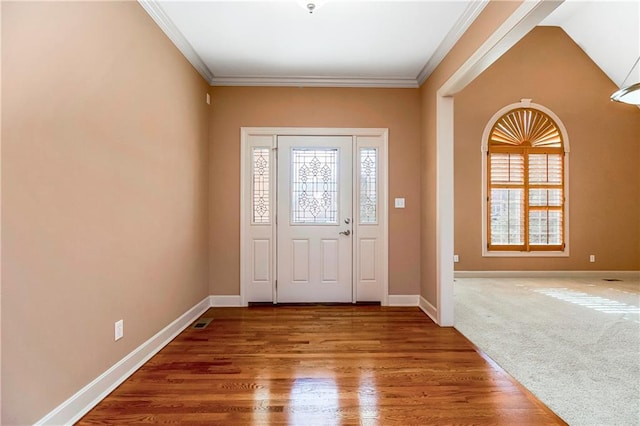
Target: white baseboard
(403,299)
(226,301)
(429,309)
(547,274)
(88,397)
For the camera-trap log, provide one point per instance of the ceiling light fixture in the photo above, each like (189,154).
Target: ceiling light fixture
(628,94)
(311,5)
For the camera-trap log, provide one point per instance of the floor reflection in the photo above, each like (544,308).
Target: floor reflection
(314,401)
(368,399)
(262,402)
(597,303)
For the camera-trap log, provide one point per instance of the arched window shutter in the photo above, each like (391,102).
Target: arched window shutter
(525,183)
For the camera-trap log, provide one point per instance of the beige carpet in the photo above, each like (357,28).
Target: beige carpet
(574,343)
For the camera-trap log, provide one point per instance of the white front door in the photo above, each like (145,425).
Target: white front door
(315,217)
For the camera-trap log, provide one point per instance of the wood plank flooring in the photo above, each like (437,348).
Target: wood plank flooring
(320,365)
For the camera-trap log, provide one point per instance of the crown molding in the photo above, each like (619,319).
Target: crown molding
(153,8)
(316,82)
(462,24)
(157,13)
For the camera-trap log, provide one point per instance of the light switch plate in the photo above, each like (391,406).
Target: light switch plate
(119,330)
(399,203)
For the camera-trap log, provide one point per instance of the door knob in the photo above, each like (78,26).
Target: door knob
(347,232)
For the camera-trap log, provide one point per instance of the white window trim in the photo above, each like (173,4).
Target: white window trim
(524,103)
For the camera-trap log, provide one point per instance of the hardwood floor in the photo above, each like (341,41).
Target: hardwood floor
(320,365)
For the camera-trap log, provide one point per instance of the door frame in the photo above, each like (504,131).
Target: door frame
(270,135)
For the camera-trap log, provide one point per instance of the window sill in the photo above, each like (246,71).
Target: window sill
(486,253)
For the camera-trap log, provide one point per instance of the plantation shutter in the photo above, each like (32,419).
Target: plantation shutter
(546,200)
(507,199)
(525,182)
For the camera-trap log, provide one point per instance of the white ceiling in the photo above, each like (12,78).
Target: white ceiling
(608,31)
(392,43)
(351,43)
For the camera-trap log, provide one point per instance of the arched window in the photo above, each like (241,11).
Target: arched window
(525,181)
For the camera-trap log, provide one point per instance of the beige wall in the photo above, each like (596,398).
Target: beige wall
(493,15)
(235,107)
(104,189)
(117,179)
(0,216)
(604,166)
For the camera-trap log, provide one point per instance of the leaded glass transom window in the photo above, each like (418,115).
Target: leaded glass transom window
(314,186)
(260,196)
(368,185)
(525,183)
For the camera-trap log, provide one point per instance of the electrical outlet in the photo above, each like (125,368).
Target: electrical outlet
(592,258)
(119,330)
(456,258)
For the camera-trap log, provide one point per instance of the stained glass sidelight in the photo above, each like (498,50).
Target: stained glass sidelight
(260,171)
(314,186)
(368,185)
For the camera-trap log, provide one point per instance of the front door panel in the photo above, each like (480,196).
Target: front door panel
(314,219)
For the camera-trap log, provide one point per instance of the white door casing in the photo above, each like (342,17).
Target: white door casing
(258,230)
(314,213)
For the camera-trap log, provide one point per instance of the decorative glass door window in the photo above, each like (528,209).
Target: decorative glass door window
(260,184)
(314,186)
(368,185)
